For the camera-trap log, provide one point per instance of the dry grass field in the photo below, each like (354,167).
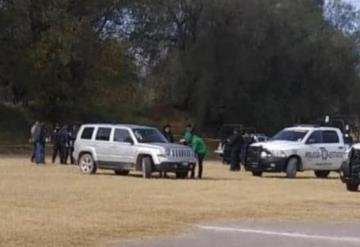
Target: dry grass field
(58,206)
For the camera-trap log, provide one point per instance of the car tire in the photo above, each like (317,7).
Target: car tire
(87,164)
(257,174)
(292,167)
(181,175)
(322,174)
(122,172)
(146,164)
(352,187)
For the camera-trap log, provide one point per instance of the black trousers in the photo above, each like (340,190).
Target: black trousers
(235,159)
(56,151)
(63,154)
(200,165)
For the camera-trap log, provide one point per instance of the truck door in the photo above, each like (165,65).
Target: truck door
(313,158)
(102,146)
(335,148)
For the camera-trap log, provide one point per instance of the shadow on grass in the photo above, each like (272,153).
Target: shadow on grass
(300,178)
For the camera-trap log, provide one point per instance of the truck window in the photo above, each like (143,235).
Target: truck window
(103,134)
(330,136)
(314,138)
(87,133)
(122,135)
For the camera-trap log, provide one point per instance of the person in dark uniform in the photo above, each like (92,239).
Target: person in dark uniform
(235,144)
(248,140)
(168,134)
(56,143)
(72,133)
(64,144)
(40,140)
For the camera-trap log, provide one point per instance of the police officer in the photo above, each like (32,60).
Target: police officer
(56,143)
(71,139)
(64,144)
(235,144)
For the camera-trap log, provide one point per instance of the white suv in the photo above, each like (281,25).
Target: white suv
(125,148)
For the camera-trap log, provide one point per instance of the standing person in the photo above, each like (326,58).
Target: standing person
(64,144)
(56,143)
(200,149)
(168,133)
(72,137)
(40,139)
(32,134)
(235,144)
(187,135)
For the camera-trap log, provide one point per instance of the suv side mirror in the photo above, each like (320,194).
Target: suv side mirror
(129,140)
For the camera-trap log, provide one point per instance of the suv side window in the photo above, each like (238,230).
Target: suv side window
(122,135)
(103,134)
(87,133)
(315,138)
(330,136)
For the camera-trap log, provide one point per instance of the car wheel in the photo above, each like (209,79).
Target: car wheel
(322,174)
(352,187)
(146,167)
(257,174)
(87,164)
(122,172)
(181,175)
(292,167)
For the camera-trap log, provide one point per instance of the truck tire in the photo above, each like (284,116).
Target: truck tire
(322,174)
(345,170)
(87,164)
(292,167)
(352,187)
(181,175)
(146,164)
(257,174)
(122,172)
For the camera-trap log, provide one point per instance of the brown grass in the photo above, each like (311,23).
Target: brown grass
(58,206)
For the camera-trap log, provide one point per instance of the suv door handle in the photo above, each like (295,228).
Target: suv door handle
(341,148)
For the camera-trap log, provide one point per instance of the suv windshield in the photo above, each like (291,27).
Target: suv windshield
(149,136)
(290,135)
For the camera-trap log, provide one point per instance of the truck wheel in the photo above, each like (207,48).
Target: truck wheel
(352,187)
(345,170)
(87,164)
(146,167)
(322,174)
(122,172)
(292,167)
(181,175)
(257,174)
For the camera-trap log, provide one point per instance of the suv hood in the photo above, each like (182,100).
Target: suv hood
(162,146)
(278,145)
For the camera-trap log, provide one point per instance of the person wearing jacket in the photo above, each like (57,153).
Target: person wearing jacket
(200,149)
(64,144)
(40,141)
(56,143)
(168,134)
(236,142)
(32,132)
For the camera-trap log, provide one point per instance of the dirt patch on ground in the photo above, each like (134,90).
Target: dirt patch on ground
(57,206)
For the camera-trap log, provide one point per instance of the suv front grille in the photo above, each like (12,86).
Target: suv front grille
(180,153)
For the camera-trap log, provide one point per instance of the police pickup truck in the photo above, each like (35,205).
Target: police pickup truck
(297,149)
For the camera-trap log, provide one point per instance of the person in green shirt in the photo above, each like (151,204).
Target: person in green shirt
(200,149)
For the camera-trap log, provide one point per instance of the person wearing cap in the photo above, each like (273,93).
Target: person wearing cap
(200,149)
